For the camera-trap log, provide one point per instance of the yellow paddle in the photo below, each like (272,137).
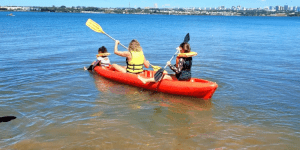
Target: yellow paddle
(97,28)
(155,68)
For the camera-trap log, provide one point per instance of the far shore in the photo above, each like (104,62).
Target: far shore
(166,12)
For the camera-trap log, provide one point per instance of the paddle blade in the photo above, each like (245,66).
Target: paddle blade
(155,68)
(94,26)
(158,75)
(186,38)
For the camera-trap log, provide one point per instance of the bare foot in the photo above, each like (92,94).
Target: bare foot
(84,68)
(142,79)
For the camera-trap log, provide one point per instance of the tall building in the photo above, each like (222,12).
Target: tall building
(286,7)
(278,8)
(295,8)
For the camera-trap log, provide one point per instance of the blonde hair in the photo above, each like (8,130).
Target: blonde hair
(134,45)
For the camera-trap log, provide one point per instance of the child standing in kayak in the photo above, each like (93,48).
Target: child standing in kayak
(183,65)
(102,59)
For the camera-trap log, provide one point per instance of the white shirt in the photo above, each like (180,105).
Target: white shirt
(104,61)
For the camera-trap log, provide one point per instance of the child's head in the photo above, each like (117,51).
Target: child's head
(102,49)
(185,47)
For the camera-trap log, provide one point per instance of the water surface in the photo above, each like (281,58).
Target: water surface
(58,105)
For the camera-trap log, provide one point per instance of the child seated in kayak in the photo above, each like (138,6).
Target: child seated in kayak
(102,59)
(183,65)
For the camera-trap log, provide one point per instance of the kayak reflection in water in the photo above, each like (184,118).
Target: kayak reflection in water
(102,59)
(135,58)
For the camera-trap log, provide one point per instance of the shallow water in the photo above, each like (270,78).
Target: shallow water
(58,105)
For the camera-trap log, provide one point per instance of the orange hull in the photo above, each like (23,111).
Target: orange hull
(195,87)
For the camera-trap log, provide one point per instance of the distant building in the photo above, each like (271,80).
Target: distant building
(266,8)
(17,8)
(35,9)
(295,8)
(286,7)
(278,8)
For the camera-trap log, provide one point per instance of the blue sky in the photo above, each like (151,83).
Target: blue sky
(150,3)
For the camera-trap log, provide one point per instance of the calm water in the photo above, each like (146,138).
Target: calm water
(58,105)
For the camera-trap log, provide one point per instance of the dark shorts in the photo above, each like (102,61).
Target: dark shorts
(184,76)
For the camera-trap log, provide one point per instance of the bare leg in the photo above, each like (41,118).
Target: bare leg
(146,80)
(119,68)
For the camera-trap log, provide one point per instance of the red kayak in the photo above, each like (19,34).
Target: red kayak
(195,87)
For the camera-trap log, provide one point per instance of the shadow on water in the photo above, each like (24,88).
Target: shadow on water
(7,118)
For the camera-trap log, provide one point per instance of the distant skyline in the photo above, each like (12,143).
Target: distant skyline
(151,3)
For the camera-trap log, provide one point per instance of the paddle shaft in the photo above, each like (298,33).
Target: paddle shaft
(186,39)
(115,40)
(97,28)
(171,58)
(159,74)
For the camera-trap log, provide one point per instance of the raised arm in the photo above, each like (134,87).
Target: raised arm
(124,53)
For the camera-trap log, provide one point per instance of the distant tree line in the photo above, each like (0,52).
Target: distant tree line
(179,11)
(70,9)
(79,9)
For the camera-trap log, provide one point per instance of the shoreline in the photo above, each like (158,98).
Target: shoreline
(206,13)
